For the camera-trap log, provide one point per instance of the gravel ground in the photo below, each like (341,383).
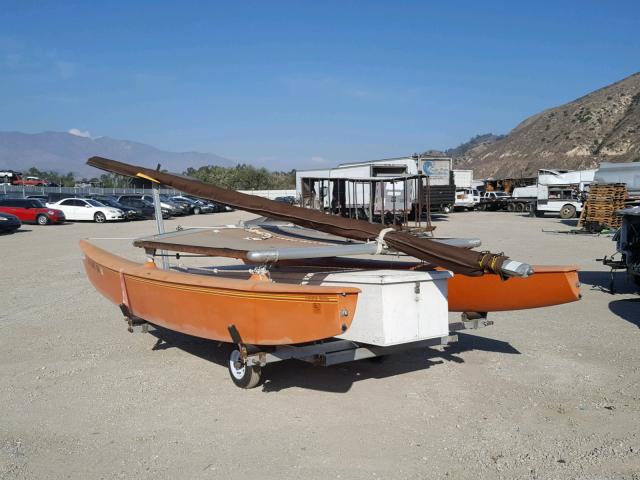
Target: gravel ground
(547,393)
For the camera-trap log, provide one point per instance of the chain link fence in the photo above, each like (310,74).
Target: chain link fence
(13,191)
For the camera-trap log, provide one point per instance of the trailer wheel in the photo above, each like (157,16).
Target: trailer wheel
(567,211)
(241,374)
(519,207)
(447,209)
(511,207)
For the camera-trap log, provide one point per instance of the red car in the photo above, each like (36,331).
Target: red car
(35,181)
(31,210)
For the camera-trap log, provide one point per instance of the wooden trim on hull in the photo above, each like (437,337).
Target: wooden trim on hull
(264,313)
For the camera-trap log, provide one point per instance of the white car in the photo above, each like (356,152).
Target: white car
(87,209)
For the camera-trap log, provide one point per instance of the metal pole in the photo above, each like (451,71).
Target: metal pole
(405,218)
(159,222)
(419,210)
(393,184)
(354,199)
(382,194)
(371,200)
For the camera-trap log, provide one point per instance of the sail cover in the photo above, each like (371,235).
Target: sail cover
(458,260)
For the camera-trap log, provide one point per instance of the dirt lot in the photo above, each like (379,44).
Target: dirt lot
(549,393)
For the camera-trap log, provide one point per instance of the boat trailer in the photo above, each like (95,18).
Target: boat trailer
(245,362)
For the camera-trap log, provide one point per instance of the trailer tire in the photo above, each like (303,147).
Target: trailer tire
(245,376)
(446,209)
(519,207)
(567,211)
(511,207)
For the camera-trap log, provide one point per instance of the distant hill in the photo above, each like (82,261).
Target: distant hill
(66,152)
(601,126)
(485,139)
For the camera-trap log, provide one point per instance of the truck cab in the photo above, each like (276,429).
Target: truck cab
(467,198)
(494,196)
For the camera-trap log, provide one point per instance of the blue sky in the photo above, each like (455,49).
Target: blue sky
(304,84)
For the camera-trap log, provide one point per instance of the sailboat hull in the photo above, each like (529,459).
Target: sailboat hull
(264,313)
(549,285)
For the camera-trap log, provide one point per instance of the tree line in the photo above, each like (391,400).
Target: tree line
(240,177)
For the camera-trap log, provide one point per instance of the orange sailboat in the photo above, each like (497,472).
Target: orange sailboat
(301,293)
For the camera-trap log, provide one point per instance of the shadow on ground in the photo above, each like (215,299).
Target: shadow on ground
(602,280)
(335,378)
(571,222)
(627,309)
(20,230)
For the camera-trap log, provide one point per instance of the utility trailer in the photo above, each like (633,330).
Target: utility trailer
(376,199)
(397,311)
(245,363)
(627,240)
(435,193)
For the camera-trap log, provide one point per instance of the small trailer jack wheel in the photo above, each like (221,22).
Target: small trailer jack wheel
(243,375)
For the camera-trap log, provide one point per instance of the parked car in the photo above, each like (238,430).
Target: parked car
(43,198)
(9,223)
(57,196)
(130,213)
(287,199)
(494,201)
(31,210)
(34,181)
(205,207)
(194,206)
(87,209)
(145,208)
(180,206)
(209,206)
(172,208)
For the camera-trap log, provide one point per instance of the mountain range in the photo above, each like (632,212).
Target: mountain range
(602,126)
(68,152)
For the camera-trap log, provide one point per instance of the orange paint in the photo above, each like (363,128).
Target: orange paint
(265,313)
(549,285)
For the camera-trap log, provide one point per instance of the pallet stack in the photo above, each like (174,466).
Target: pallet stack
(604,200)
